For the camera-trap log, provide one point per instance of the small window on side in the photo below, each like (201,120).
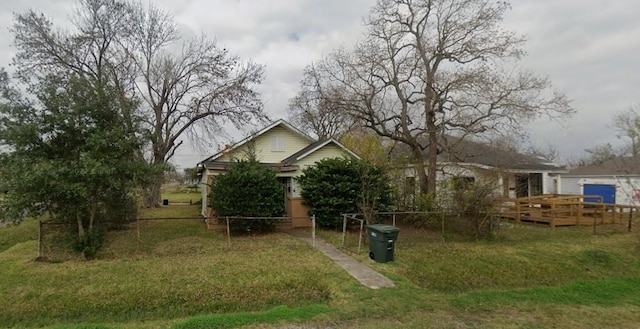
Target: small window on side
(277,144)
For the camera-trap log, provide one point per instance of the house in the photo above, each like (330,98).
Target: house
(514,174)
(283,148)
(616,180)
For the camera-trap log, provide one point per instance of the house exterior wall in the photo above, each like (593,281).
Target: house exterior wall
(328,151)
(627,187)
(205,183)
(549,183)
(292,144)
(570,185)
(293,199)
(505,182)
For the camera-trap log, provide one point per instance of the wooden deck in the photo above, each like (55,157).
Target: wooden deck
(565,210)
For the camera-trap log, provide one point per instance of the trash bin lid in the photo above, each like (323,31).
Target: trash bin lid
(383,228)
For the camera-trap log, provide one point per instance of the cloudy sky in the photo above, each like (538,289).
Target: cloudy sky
(590,49)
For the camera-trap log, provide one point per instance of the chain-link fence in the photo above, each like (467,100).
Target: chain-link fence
(57,241)
(451,226)
(154,236)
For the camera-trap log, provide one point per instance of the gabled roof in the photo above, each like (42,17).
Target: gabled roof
(623,166)
(314,147)
(280,122)
(472,152)
(468,152)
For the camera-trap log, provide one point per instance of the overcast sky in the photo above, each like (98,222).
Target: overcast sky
(590,49)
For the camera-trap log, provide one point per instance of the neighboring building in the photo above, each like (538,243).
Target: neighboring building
(286,150)
(616,180)
(514,174)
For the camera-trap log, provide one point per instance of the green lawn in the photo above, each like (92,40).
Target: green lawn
(181,194)
(179,275)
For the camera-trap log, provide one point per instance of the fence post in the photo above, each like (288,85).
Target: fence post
(630,217)
(228,233)
(344,228)
(394,218)
(40,248)
(313,229)
(442,215)
(137,236)
(360,238)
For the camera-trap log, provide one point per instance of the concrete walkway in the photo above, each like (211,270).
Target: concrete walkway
(363,273)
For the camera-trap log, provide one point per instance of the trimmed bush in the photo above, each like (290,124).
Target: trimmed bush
(248,190)
(341,185)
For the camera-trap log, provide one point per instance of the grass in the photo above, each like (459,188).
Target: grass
(234,320)
(521,256)
(180,269)
(606,292)
(179,275)
(14,234)
(182,194)
(171,211)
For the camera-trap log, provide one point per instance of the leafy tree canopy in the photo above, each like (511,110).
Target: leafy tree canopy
(70,154)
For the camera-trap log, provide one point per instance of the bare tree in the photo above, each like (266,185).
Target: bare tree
(549,152)
(429,68)
(191,91)
(312,111)
(599,154)
(627,125)
(186,88)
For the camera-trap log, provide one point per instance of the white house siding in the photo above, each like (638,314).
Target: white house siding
(328,151)
(549,183)
(204,190)
(292,144)
(569,185)
(627,187)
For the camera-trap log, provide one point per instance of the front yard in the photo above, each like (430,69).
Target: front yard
(179,275)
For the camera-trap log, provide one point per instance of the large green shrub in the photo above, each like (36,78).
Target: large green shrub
(341,185)
(248,190)
(71,153)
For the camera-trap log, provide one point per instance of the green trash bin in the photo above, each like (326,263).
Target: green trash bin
(382,241)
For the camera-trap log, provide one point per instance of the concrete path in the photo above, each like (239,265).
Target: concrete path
(363,273)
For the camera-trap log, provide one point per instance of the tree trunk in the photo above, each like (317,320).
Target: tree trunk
(420,169)
(152,194)
(432,156)
(92,213)
(81,232)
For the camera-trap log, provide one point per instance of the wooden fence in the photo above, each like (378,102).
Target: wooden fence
(566,210)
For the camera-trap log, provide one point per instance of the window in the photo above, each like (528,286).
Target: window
(462,183)
(410,184)
(536,184)
(277,144)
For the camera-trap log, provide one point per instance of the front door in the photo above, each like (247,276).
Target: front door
(286,192)
(522,186)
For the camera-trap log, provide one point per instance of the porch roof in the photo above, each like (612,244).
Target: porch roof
(224,166)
